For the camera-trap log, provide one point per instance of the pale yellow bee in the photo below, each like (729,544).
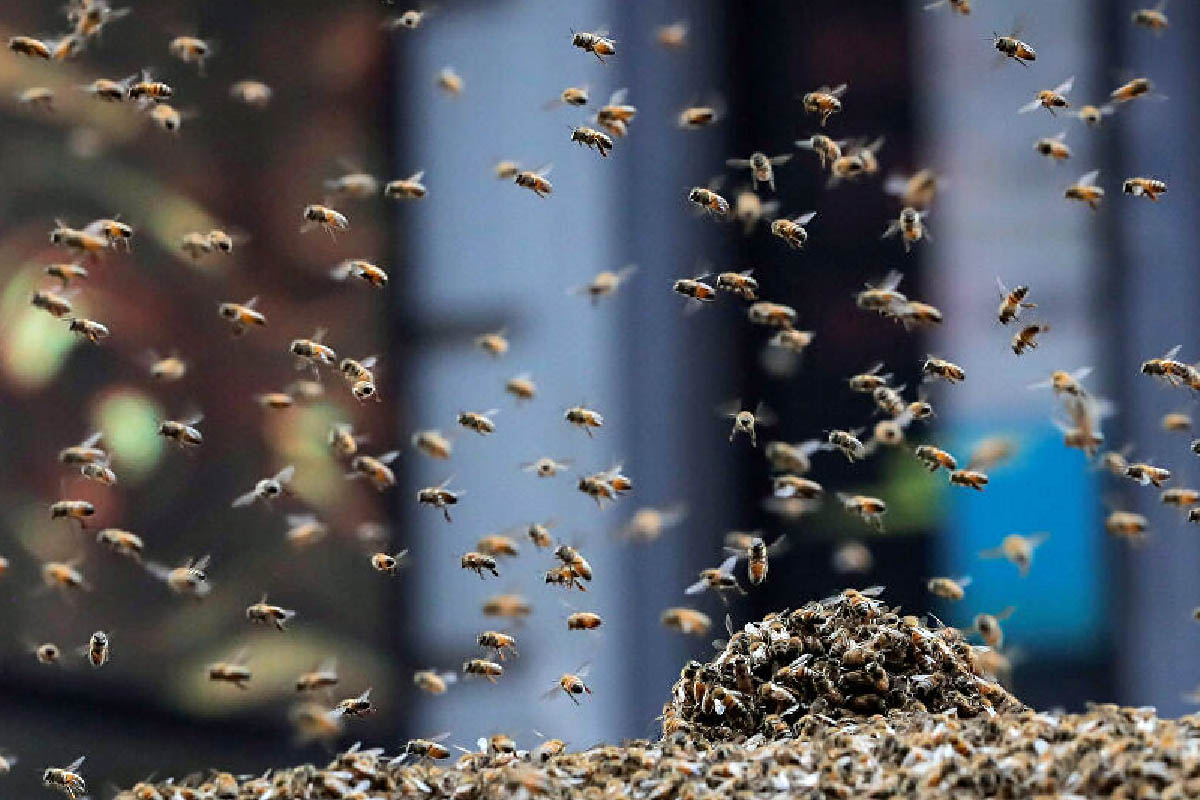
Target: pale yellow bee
(917,190)
(672,36)
(409,188)
(521,387)
(1177,422)
(792,229)
(747,422)
(648,524)
(539,534)
(498,545)
(264,612)
(275,400)
(433,682)
(962,7)
(234,671)
(546,467)
(687,621)
(793,341)
(64,575)
(696,117)
(166,369)
(772,315)
(325,218)
(824,102)
(433,443)
(1154,18)
(1094,115)
(29,46)
(948,588)
(1085,190)
(36,97)
(305,529)
(1127,525)
(749,209)
(1050,99)
(827,150)
(190,579)
(884,298)
(66,779)
(322,677)
(167,117)
(1053,146)
(255,94)
(616,115)
(354,185)
(191,50)
(793,458)
(66,273)
(869,509)
(450,81)
(605,283)
(1017,549)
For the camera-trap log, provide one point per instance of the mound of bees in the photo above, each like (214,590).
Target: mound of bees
(845,656)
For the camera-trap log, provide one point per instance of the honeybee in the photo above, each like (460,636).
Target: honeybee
(1026,338)
(792,230)
(233,672)
(570,557)
(948,588)
(1138,87)
(97,650)
(934,367)
(747,422)
(593,139)
(1144,187)
(355,185)
(564,576)
(190,579)
(242,315)
(1147,474)
(86,452)
(1014,48)
(87,243)
(1050,99)
(368,273)
(917,190)
(827,149)
(852,558)
(411,19)
(433,682)
(312,722)
(439,497)
(433,443)
(571,684)
(719,579)
(489,670)
(450,82)
(37,97)
(824,102)
(616,115)
(605,283)
(89,329)
(1053,147)
(535,180)
(647,524)
(1068,383)
(262,611)
(427,748)
(1180,497)
(1012,302)
(857,160)
(584,418)
(64,575)
(1086,190)
(323,677)
(793,458)
(409,188)
(687,621)
(494,343)
(761,167)
(354,706)
(749,209)
(324,217)
(196,244)
(375,469)
(1127,525)
(144,88)
(869,509)
(312,352)
(166,369)
(916,313)
(191,50)
(1153,18)
(583,621)
(600,486)
(709,201)
(255,94)
(76,510)
(500,642)
(183,434)
(672,36)
(389,563)
(275,400)
(883,298)
(988,627)
(934,457)
(480,422)
(29,46)
(66,779)
(957,6)
(848,443)
(1094,115)
(1167,367)
(51,302)
(970,478)
(793,486)
(1177,422)
(910,225)
(109,90)
(793,341)
(305,529)
(90,16)
(757,554)
(498,545)
(598,44)
(545,467)
(100,472)
(167,117)
(521,387)
(772,315)
(1017,550)
(47,653)
(66,273)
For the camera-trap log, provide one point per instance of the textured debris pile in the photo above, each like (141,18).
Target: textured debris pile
(847,655)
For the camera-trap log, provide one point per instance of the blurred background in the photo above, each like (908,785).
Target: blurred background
(1096,618)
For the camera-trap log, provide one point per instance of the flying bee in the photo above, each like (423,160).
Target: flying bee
(1169,368)
(191,579)
(521,387)
(275,400)
(1068,383)
(535,180)
(772,315)
(36,97)
(793,341)
(934,457)
(1050,99)
(648,524)
(54,304)
(757,554)
(47,653)
(957,6)
(910,225)
(598,44)
(97,650)
(312,352)
(746,422)
(480,422)
(354,185)
(357,371)
(123,543)
(871,380)
(749,209)
(89,329)
(1014,48)
(672,36)
(166,369)
(616,115)
(1154,18)
(433,444)
(433,682)
(191,50)
(264,612)
(593,139)
(793,486)
(370,274)
(233,671)
(571,684)
(1012,302)
(29,46)
(167,117)
(1180,497)
(792,229)
(323,677)
(488,670)
(545,467)
(948,588)
(1085,190)
(709,201)
(761,167)
(90,16)
(409,188)
(375,469)
(793,458)
(66,272)
(571,96)
(1144,187)
(605,283)
(848,443)
(86,452)
(917,190)
(109,90)
(920,409)
(359,706)
(64,575)
(428,748)
(988,627)
(1177,422)
(449,81)
(915,313)
(1147,474)
(255,94)
(389,563)
(719,579)
(883,298)
(439,497)
(1093,115)
(184,434)
(144,88)
(570,557)
(1053,147)
(564,576)
(824,102)
(196,245)
(498,545)
(857,161)
(325,218)
(584,621)
(827,149)
(934,367)
(687,621)
(494,343)
(1138,87)
(268,489)
(1017,550)
(584,418)
(242,315)
(73,510)
(1127,525)
(1026,338)
(500,642)
(100,472)
(869,509)
(66,779)
(87,244)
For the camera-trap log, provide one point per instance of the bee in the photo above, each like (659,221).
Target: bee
(86,452)
(883,298)
(370,274)
(242,315)
(1144,187)
(1017,550)
(584,621)
(1086,190)
(584,418)
(275,400)
(375,469)
(719,579)
(824,102)
(708,201)
(488,670)
(910,225)
(439,497)
(788,486)
(1167,367)
(100,472)
(1014,48)
(761,167)
(616,115)
(196,244)
(598,44)
(792,229)
(500,642)
(1153,18)
(354,706)
(988,627)
(190,579)
(887,399)
(1147,474)
(934,458)
(262,611)
(1050,99)
(411,19)
(450,81)
(122,543)
(1012,302)
(792,341)
(772,315)
(948,588)
(570,557)
(494,343)
(793,458)
(1180,497)
(545,467)
(324,217)
(234,671)
(747,422)
(354,185)
(427,748)
(917,190)
(757,554)
(848,443)
(1138,87)
(64,575)
(917,313)
(601,486)
(90,16)
(433,682)
(167,117)
(605,283)
(66,779)
(521,387)
(97,650)
(29,46)
(255,94)
(323,677)
(389,563)
(89,329)
(144,87)
(1053,147)
(183,434)
(109,90)
(1094,115)
(191,50)
(409,188)
(312,352)
(592,139)
(687,621)
(51,302)
(934,367)
(166,369)
(433,444)
(535,180)
(749,209)
(970,478)
(87,243)
(46,653)
(672,36)
(38,97)
(869,509)
(571,684)
(478,421)
(957,6)
(497,545)
(1069,383)
(1127,525)
(648,524)
(76,510)
(1177,422)
(1026,338)
(827,150)
(564,576)
(852,558)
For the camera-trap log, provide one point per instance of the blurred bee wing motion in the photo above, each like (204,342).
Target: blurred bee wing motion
(245,499)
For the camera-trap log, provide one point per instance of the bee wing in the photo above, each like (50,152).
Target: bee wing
(782,158)
(550,693)
(617,98)
(342,271)
(838,90)
(891,281)
(727,565)
(391,456)
(872,591)
(92,440)
(285,475)
(935,4)
(1005,613)
(1089,179)
(697,587)
(365,695)
(245,499)
(805,218)
(737,163)
(158,570)
(736,552)
(1174,351)
(1060,136)
(252,302)
(1000,285)
(779,546)
(764,416)
(1083,372)
(1065,86)
(1032,105)
(543,170)
(448,677)
(368,362)
(892,229)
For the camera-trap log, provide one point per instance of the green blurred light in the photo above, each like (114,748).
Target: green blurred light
(129,419)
